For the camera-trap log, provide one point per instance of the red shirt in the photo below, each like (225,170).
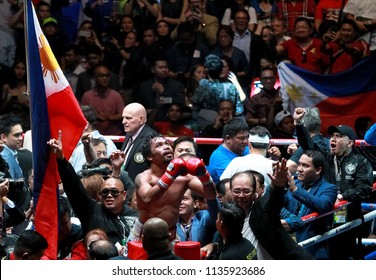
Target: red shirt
(311,59)
(341,60)
(289,11)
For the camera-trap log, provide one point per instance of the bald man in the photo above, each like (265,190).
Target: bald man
(156,240)
(136,130)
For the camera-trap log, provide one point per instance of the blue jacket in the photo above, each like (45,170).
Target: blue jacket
(319,198)
(203,224)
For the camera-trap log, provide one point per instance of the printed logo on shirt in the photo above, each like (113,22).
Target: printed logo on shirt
(350,168)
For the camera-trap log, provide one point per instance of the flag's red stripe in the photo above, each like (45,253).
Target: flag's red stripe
(47,208)
(65,114)
(345,110)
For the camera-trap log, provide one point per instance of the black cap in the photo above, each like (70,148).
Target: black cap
(344,130)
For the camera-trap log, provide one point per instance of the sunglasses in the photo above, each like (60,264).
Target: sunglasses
(114,192)
(304,57)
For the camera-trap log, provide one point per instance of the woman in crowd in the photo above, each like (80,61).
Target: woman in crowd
(237,56)
(171,11)
(164,32)
(14,97)
(211,91)
(197,73)
(143,12)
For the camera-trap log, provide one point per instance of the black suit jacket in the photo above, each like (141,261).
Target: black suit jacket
(266,226)
(135,162)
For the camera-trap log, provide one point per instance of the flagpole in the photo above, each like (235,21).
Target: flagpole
(25,5)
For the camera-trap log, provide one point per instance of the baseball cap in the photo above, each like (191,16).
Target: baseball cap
(50,21)
(280,116)
(344,130)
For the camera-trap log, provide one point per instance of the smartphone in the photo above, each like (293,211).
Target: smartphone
(195,10)
(84,33)
(165,100)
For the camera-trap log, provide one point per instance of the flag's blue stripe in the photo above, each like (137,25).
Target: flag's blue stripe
(347,83)
(39,113)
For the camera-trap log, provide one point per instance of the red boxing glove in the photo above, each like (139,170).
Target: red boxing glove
(197,168)
(174,169)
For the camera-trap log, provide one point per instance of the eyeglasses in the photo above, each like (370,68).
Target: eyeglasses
(114,192)
(239,192)
(103,75)
(304,57)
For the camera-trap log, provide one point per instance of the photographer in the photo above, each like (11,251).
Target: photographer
(11,135)
(11,215)
(206,25)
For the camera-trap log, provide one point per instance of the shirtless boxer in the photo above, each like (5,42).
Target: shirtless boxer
(161,188)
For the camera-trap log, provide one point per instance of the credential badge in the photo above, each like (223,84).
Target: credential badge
(139,158)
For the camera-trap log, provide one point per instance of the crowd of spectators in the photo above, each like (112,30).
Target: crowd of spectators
(180,68)
(127,37)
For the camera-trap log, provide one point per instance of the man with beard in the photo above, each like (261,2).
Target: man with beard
(161,188)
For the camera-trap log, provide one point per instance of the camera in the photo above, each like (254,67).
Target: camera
(13,183)
(86,172)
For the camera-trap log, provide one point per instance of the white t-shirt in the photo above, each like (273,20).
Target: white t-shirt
(254,162)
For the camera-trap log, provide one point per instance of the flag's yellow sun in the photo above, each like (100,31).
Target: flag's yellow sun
(48,60)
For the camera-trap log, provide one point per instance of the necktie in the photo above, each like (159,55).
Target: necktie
(129,145)
(127,148)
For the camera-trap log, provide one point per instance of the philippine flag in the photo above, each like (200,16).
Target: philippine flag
(341,98)
(53,108)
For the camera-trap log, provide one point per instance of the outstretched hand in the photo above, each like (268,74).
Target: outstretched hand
(279,178)
(57,146)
